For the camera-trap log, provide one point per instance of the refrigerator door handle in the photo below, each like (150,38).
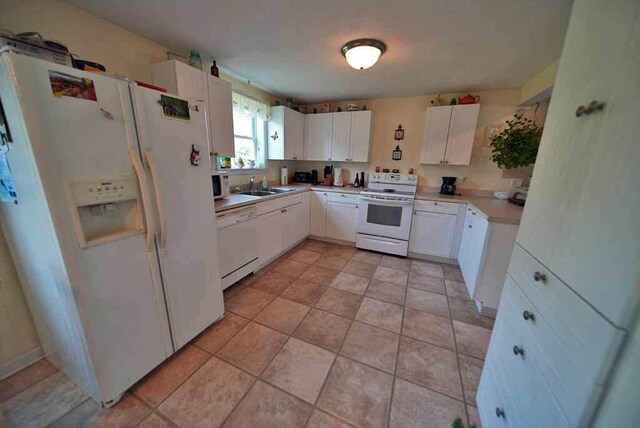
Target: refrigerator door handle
(146,200)
(159,201)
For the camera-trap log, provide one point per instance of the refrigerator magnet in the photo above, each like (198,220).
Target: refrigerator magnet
(68,85)
(174,108)
(195,155)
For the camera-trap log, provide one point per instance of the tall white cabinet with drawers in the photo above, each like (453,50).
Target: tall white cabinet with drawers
(572,291)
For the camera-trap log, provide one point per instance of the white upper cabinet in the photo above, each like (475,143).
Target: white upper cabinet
(341,136)
(220,108)
(449,133)
(318,130)
(359,148)
(189,82)
(286,134)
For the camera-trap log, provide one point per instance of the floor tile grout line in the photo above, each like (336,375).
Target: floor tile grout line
(395,366)
(455,344)
(50,424)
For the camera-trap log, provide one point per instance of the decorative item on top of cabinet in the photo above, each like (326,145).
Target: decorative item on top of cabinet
(438,101)
(469,99)
(449,134)
(214,70)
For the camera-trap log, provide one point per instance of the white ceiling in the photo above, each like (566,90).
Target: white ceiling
(292,47)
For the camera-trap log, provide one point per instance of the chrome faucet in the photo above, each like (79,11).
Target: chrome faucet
(251,181)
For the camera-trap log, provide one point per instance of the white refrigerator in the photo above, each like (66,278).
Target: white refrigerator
(112,228)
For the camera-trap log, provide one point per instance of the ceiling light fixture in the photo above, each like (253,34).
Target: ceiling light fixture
(363,53)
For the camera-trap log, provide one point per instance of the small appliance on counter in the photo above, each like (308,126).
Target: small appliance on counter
(519,196)
(220,181)
(314,176)
(448,186)
(337,177)
(303,177)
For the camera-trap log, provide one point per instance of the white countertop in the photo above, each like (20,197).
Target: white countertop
(493,210)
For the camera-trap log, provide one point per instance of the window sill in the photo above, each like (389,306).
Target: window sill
(244,171)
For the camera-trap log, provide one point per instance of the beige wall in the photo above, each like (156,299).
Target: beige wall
(495,108)
(539,83)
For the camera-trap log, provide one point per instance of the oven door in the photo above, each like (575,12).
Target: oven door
(387,217)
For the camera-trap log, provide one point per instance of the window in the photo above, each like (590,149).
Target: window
(249,141)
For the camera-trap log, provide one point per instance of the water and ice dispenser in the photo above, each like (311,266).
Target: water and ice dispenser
(104,209)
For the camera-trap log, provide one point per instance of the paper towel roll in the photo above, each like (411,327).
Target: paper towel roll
(284,176)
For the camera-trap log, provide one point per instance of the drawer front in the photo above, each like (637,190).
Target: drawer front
(436,207)
(576,392)
(510,356)
(348,198)
(590,339)
(278,203)
(494,411)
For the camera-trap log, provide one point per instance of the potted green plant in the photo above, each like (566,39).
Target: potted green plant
(459,424)
(517,145)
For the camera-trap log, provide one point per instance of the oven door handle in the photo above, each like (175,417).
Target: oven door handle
(387,202)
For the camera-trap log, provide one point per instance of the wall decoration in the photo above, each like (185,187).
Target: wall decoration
(397,153)
(399,134)
(274,137)
(174,108)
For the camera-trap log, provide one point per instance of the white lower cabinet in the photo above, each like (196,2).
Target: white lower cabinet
(433,228)
(270,236)
(485,251)
(281,224)
(318,214)
(341,221)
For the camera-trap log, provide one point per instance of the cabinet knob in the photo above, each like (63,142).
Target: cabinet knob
(473,213)
(446,161)
(415,213)
(592,107)
(540,277)
(470,226)
(329,159)
(528,316)
(500,413)
(435,203)
(518,351)
(283,211)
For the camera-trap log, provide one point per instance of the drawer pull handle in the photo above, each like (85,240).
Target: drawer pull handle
(540,277)
(500,413)
(435,203)
(518,351)
(528,316)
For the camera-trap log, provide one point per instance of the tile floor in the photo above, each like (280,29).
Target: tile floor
(325,336)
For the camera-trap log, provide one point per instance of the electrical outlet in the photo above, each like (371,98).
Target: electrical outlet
(516,182)
(463,179)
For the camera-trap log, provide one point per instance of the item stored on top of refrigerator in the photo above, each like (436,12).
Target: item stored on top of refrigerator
(85,65)
(35,50)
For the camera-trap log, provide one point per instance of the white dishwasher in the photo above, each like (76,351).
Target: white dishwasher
(237,249)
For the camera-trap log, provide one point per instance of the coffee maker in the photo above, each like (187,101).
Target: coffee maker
(448,186)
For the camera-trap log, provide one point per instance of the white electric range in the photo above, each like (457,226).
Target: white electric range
(384,215)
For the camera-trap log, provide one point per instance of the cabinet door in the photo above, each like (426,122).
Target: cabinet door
(581,217)
(360,136)
(318,134)
(436,132)
(293,224)
(270,236)
(191,82)
(471,249)
(432,233)
(462,129)
(341,136)
(220,108)
(293,135)
(341,221)
(318,214)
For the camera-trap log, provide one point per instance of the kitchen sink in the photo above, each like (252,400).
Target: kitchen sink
(258,193)
(265,192)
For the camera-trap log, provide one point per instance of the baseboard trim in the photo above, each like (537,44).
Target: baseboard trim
(20,362)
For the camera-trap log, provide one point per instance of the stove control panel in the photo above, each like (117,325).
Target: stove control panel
(410,179)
